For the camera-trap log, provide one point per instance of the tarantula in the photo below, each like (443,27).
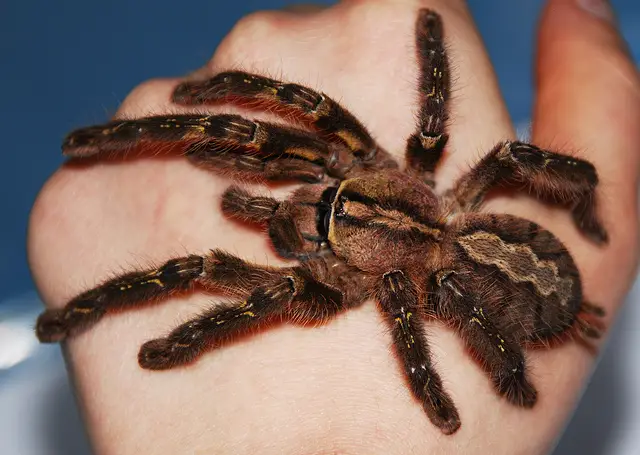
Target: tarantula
(361,229)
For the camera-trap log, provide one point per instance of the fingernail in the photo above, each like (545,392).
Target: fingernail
(598,8)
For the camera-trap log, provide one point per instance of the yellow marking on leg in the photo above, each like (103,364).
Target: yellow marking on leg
(111,130)
(409,314)
(352,142)
(194,132)
(475,320)
(124,287)
(408,337)
(304,153)
(204,121)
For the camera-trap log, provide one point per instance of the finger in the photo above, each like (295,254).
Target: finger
(588,103)
(586,80)
(370,66)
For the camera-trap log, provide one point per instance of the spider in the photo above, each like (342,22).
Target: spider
(360,228)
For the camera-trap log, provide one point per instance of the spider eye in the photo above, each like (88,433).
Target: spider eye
(323,219)
(327,221)
(329,195)
(323,214)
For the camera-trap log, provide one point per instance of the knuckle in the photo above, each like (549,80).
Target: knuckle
(253,26)
(247,40)
(151,96)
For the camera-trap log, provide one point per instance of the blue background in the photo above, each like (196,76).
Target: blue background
(68,64)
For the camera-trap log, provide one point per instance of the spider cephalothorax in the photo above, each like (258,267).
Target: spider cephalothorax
(362,229)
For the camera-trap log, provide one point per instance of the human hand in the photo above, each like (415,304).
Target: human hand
(336,387)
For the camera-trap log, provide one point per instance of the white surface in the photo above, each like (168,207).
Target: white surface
(17,343)
(38,415)
(607,421)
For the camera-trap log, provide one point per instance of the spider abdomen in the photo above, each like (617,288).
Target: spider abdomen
(525,272)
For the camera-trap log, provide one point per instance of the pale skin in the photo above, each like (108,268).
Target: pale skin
(337,388)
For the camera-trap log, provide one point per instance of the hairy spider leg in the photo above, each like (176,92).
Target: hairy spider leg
(218,271)
(293,294)
(223,142)
(398,299)
(497,352)
(292,101)
(552,177)
(128,290)
(424,147)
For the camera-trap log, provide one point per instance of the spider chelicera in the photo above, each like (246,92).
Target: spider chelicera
(360,229)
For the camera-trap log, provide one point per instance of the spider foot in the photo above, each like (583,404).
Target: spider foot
(50,327)
(163,354)
(589,322)
(54,326)
(590,308)
(517,389)
(440,408)
(586,219)
(155,355)
(590,327)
